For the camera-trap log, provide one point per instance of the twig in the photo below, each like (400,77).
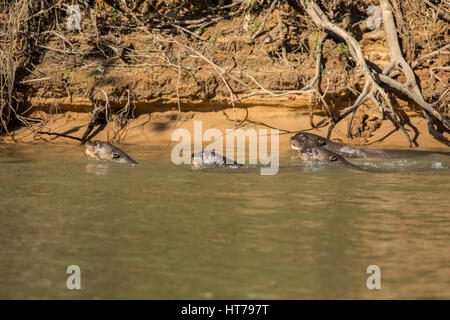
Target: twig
(35,80)
(436,77)
(263,23)
(439,11)
(44,11)
(61,135)
(283,44)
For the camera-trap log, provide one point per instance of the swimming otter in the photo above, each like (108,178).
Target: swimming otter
(309,140)
(322,154)
(209,159)
(101,150)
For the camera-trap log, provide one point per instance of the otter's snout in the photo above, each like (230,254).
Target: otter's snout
(295,145)
(90,150)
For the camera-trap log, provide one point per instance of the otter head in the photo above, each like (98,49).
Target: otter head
(206,159)
(101,150)
(306,140)
(307,154)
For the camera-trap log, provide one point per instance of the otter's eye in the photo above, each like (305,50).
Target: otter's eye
(116,155)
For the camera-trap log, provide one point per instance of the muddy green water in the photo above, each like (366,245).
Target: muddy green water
(160,231)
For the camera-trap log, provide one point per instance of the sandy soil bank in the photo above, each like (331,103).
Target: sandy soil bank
(156,128)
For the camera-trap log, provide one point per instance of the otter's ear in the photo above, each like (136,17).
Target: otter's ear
(321,142)
(116,155)
(333,158)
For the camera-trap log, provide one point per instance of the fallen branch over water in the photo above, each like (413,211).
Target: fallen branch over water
(60,135)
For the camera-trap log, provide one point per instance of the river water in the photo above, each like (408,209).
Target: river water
(161,231)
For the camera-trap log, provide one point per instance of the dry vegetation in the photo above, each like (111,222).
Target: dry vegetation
(129,51)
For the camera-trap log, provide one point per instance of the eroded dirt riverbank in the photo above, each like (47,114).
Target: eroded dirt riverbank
(156,128)
(137,64)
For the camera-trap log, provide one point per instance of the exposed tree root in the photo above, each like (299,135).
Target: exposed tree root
(372,88)
(411,86)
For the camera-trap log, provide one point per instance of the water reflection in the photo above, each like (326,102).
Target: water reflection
(97,168)
(438,165)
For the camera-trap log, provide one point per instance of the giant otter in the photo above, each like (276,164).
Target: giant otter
(322,154)
(309,140)
(209,159)
(101,150)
